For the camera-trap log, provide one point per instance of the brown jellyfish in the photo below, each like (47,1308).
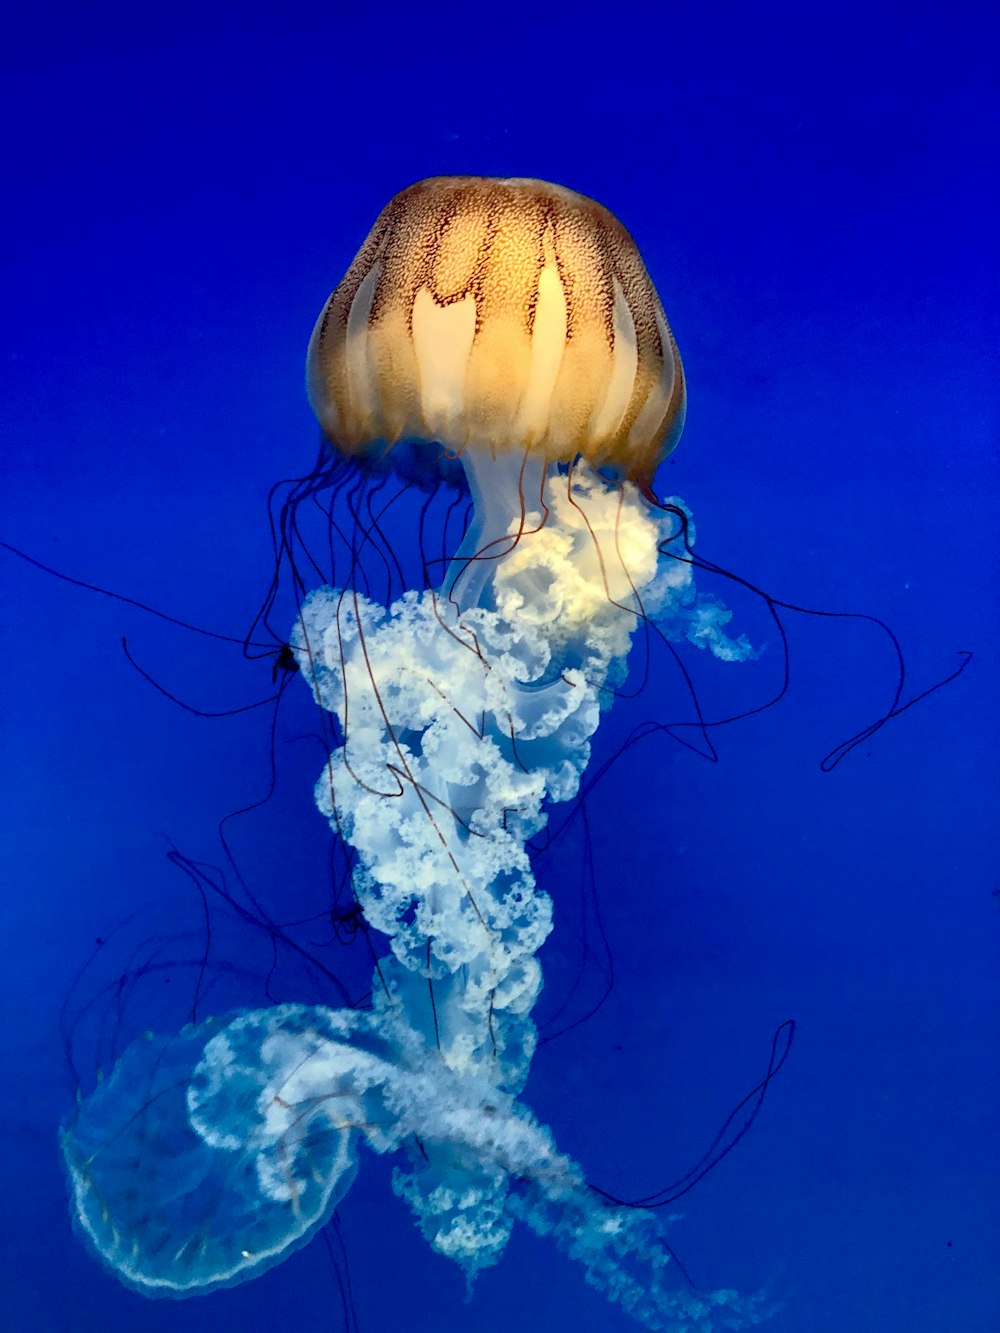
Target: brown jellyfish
(512,324)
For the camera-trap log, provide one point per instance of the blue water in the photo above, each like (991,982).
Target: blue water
(816,201)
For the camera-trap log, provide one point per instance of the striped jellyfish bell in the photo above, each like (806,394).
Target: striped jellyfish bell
(505,314)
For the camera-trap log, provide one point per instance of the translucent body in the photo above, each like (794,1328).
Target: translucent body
(180,1203)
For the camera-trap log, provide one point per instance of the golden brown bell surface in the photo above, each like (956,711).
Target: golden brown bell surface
(511,314)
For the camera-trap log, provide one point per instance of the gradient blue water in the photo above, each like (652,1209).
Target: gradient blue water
(815,198)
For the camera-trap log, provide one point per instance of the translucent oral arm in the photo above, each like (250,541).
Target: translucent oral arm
(207,1157)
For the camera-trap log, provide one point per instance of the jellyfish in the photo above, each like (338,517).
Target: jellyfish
(508,327)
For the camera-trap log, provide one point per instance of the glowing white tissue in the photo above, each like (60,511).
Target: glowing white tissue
(464,713)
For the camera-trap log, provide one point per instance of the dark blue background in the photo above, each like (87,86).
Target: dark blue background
(815,197)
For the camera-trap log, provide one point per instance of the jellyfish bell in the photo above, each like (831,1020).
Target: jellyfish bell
(504,315)
(185,1181)
(512,324)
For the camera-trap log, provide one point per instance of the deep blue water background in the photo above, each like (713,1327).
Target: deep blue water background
(815,198)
